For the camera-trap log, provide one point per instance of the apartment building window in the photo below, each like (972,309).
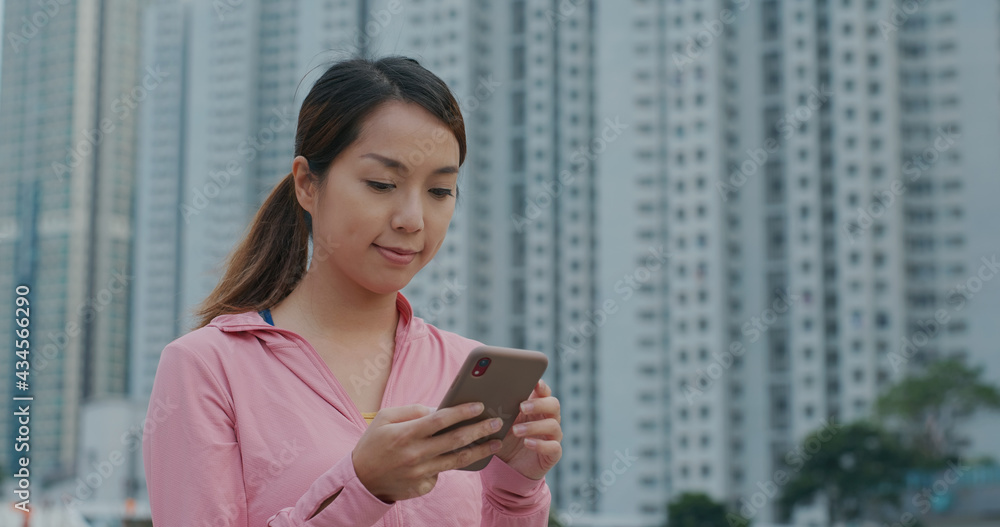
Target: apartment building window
(776,237)
(779,355)
(775,183)
(517,154)
(771,20)
(517,63)
(517,108)
(772,73)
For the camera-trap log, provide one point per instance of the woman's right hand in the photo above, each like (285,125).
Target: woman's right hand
(398,457)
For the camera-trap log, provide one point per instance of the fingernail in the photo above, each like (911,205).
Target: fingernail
(519,429)
(496,423)
(530,443)
(495,445)
(476,408)
(527,407)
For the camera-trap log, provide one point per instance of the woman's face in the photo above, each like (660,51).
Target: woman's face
(388,199)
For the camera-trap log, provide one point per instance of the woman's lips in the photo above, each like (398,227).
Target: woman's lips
(395,257)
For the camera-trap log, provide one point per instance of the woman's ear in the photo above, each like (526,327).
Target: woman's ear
(306,190)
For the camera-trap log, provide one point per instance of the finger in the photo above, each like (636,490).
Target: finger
(399,414)
(541,389)
(544,429)
(467,455)
(551,450)
(462,437)
(442,418)
(544,406)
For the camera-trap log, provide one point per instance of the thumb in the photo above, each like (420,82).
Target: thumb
(399,414)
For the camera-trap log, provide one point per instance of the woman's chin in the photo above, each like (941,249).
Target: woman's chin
(387,286)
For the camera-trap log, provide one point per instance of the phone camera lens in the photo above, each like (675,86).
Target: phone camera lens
(484,362)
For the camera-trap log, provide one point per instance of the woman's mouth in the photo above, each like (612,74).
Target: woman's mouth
(396,255)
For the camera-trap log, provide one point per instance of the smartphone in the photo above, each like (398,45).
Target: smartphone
(501,379)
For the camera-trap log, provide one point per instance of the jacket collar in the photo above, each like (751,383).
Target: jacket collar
(286,347)
(251,321)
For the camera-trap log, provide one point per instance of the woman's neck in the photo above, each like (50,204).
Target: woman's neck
(337,311)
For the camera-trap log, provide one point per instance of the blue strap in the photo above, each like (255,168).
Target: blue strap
(266,313)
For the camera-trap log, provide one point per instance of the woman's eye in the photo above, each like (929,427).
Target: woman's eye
(378,185)
(441,192)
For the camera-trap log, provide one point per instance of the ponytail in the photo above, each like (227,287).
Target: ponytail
(268,263)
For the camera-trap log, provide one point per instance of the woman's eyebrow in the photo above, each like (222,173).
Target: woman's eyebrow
(398,165)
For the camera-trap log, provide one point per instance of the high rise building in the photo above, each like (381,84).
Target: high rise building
(805,163)
(72,82)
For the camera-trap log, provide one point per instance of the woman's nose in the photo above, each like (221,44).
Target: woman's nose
(409,216)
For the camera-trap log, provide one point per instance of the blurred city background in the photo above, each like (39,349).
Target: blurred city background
(757,238)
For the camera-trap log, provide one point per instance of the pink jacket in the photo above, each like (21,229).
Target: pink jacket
(248,427)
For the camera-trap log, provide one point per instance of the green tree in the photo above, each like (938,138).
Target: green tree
(859,470)
(696,509)
(926,407)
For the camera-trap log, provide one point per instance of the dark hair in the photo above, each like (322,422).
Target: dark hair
(272,258)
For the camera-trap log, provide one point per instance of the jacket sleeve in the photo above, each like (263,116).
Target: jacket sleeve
(511,499)
(194,470)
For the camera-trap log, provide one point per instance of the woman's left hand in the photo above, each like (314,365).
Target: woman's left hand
(532,445)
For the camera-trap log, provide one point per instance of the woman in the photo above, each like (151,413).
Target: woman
(304,396)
